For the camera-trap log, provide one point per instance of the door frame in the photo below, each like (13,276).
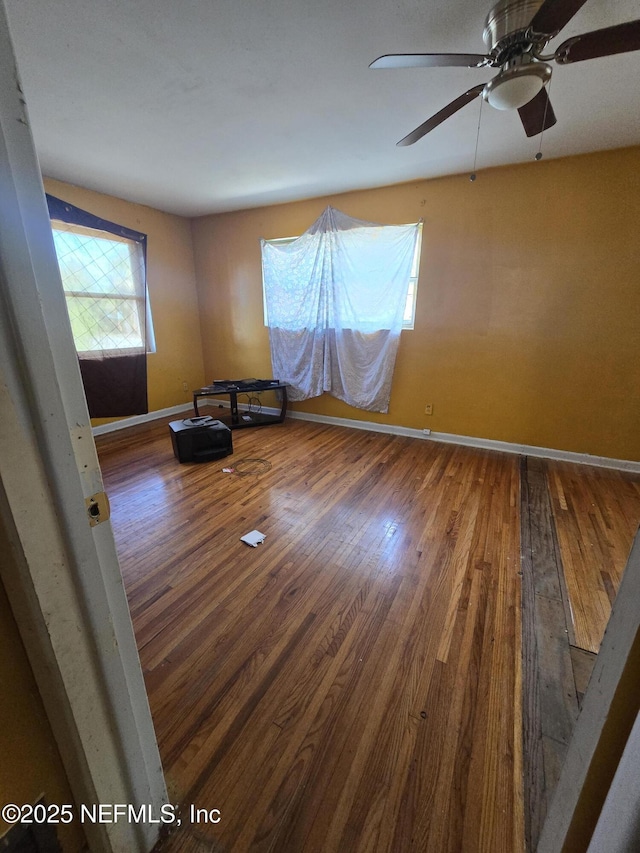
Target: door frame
(63,579)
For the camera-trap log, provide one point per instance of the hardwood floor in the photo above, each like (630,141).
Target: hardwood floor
(355,683)
(352,684)
(597,512)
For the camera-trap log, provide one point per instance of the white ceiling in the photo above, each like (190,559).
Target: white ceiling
(200,106)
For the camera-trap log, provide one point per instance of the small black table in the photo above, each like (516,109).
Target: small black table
(244,386)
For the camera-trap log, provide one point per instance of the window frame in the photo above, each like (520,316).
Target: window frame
(143,306)
(75,218)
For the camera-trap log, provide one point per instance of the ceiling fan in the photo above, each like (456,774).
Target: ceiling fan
(516,33)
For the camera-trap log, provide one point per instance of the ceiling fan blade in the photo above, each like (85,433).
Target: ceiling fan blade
(619,39)
(441,116)
(553,15)
(538,114)
(429,60)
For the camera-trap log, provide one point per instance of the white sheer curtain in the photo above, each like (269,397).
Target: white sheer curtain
(335,302)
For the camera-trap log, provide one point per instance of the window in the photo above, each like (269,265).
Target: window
(412,292)
(102,268)
(104,283)
(336,299)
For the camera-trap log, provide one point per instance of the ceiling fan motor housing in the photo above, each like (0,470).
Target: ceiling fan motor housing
(506,20)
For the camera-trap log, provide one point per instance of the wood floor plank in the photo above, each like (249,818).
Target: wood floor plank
(583,663)
(550,704)
(558,699)
(597,513)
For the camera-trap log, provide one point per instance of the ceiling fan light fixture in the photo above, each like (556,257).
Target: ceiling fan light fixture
(516,86)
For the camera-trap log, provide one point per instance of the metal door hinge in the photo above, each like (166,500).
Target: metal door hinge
(98,509)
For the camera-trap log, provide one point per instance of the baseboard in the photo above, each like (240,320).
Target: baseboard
(544,452)
(394,429)
(472,441)
(370,426)
(123,423)
(135,420)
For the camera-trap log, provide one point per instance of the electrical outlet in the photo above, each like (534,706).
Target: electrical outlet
(185,387)
(428,409)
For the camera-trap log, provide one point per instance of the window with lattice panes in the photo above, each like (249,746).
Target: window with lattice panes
(103,277)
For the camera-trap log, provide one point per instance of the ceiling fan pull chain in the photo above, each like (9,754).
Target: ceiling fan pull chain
(544,121)
(472,176)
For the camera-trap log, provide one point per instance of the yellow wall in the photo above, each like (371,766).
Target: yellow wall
(528,315)
(30,764)
(172,291)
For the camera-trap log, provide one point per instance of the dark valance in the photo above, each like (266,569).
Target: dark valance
(65,212)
